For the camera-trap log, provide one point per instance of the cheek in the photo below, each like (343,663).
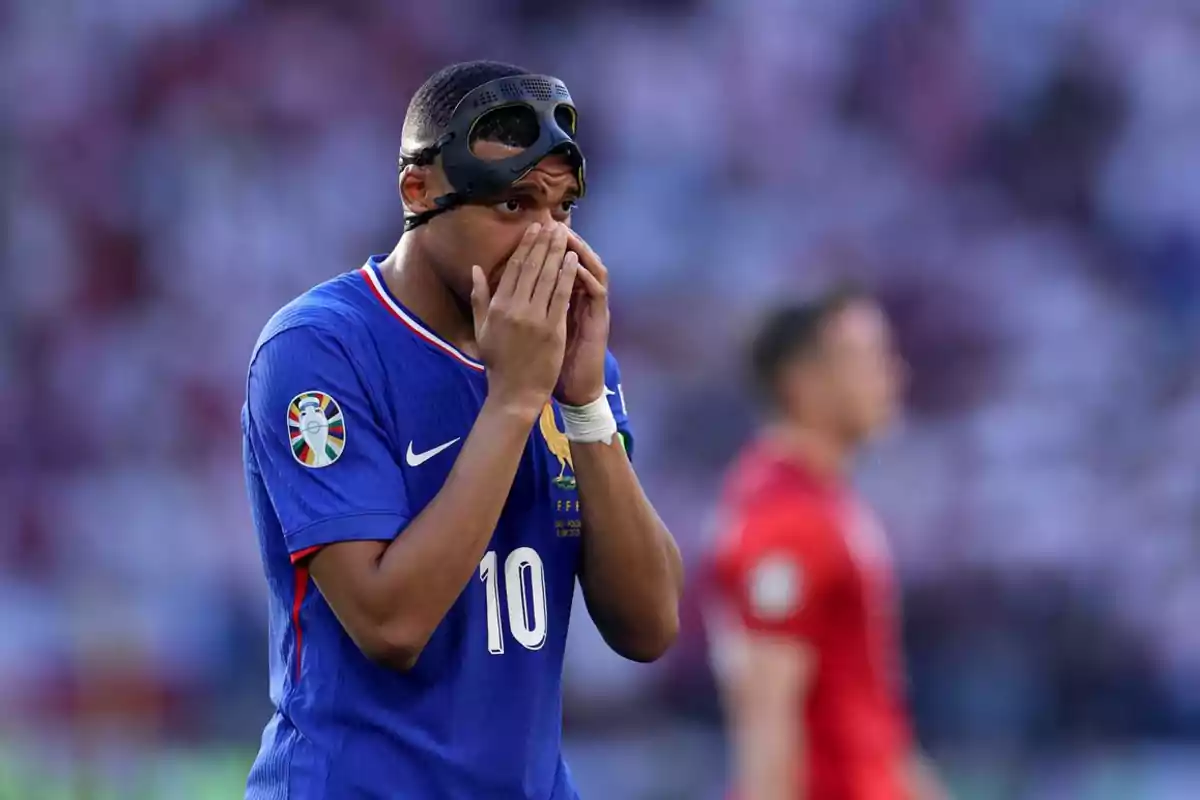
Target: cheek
(474,239)
(883,394)
(861,393)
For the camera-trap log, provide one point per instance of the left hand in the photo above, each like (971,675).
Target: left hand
(582,377)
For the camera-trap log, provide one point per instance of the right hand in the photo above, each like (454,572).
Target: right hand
(522,330)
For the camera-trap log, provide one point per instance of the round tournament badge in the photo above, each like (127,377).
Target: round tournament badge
(316,429)
(775,586)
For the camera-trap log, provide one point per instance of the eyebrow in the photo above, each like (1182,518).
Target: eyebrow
(533,190)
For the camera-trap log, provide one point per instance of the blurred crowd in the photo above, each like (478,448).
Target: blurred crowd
(1018,180)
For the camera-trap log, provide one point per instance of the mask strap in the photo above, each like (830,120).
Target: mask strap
(446,202)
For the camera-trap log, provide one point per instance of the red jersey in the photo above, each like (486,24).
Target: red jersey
(800,557)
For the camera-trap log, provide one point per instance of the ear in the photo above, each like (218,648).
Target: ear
(416,190)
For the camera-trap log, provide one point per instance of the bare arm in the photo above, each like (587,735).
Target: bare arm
(632,573)
(765,685)
(391,596)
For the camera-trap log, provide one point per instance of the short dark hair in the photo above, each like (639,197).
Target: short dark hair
(433,105)
(794,331)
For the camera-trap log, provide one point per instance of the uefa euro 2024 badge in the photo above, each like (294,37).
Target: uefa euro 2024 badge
(316,429)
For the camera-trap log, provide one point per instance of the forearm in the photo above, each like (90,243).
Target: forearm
(632,574)
(423,571)
(768,767)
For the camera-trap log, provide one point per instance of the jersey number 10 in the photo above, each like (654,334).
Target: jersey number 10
(526,608)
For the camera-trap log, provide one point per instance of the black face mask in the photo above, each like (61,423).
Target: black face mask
(477,180)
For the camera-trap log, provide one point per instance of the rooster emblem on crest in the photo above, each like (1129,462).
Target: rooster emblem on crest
(559,447)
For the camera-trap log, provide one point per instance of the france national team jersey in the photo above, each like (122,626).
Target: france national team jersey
(355,414)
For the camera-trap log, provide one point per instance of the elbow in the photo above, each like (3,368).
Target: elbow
(399,657)
(652,642)
(393,646)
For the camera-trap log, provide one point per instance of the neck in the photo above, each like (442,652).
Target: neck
(412,279)
(822,451)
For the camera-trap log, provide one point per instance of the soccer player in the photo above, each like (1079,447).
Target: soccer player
(436,449)
(802,613)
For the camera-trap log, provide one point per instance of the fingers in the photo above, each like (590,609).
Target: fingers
(551,239)
(592,285)
(512,270)
(551,269)
(588,258)
(563,287)
(558,249)
(480,299)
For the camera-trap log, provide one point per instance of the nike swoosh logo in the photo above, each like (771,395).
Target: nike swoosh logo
(608,392)
(417,459)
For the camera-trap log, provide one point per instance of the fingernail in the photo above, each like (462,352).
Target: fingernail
(535,227)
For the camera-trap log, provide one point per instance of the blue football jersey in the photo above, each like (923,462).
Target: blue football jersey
(355,412)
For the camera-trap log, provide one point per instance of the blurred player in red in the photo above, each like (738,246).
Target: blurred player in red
(803,616)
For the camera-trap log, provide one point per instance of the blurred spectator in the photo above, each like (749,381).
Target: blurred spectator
(1018,179)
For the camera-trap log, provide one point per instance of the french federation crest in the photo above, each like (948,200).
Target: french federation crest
(316,429)
(560,448)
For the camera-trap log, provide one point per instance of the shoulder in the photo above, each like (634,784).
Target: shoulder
(319,344)
(333,312)
(758,478)
(778,546)
(767,505)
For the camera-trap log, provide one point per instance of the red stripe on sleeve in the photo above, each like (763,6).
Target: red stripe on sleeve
(300,555)
(301,590)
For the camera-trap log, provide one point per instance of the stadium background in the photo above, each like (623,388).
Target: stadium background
(1019,179)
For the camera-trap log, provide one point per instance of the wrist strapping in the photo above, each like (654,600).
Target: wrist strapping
(591,423)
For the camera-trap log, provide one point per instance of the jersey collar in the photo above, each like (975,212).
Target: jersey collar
(379,288)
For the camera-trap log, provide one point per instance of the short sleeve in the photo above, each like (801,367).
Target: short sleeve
(324,460)
(783,570)
(616,398)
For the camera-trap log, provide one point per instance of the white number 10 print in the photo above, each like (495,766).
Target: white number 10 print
(526,619)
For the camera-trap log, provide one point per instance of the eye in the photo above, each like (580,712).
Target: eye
(569,205)
(512,205)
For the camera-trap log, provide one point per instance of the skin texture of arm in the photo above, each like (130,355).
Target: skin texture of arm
(390,596)
(632,573)
(765,683)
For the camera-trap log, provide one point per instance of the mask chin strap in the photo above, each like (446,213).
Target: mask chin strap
(446,202)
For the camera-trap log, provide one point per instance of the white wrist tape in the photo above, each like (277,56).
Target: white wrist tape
(591,423)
